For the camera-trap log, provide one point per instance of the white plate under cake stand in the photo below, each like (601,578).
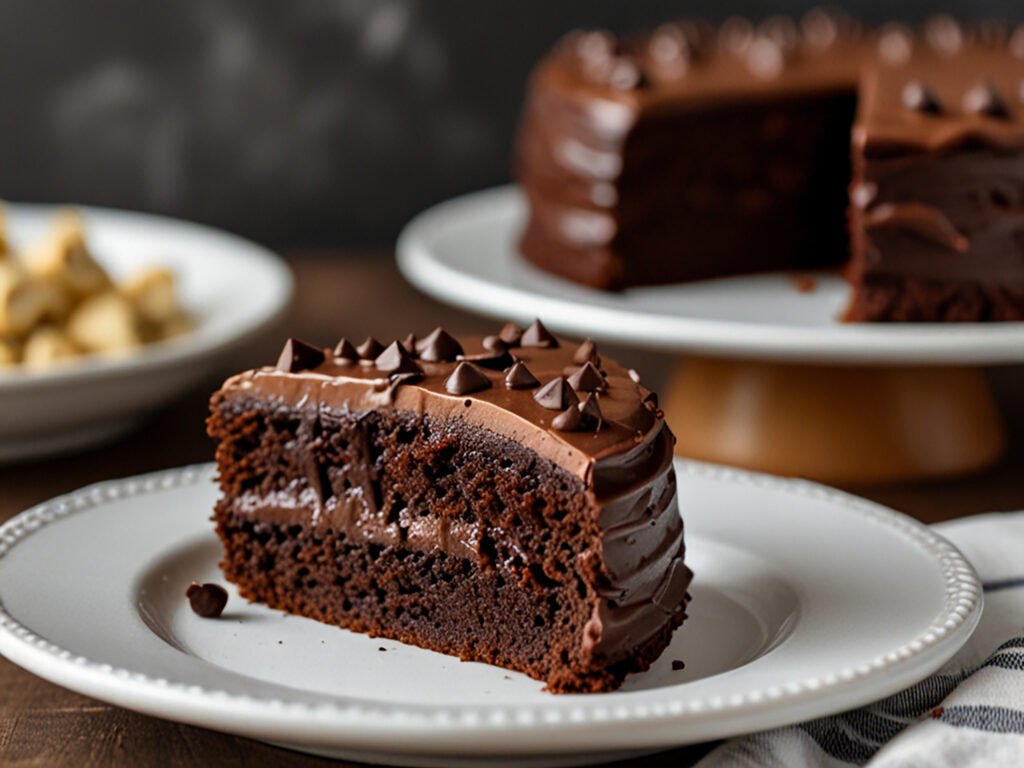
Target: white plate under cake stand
(774,380)
(807,601)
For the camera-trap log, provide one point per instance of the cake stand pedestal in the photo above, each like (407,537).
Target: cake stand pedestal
(837,424)
(768,378)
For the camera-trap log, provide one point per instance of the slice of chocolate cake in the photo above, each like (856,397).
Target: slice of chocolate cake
(509,500)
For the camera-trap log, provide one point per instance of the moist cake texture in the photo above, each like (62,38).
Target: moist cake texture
(509,500)
(698,151)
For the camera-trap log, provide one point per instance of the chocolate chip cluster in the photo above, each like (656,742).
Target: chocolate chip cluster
(575,394)
(983,99)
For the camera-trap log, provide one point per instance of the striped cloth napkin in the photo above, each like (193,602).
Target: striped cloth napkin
(969,713)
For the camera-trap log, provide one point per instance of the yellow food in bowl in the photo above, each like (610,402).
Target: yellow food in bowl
(58,304)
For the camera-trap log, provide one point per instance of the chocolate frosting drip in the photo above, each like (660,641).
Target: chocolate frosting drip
(625,464)
(642,549)
(923,220)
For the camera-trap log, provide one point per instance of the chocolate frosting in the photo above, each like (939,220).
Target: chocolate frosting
(624,463)
(959,83)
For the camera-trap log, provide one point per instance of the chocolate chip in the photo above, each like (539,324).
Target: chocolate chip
(466,378)
(670,48)
(511,334)
(345,350)
(819,27)
(1016,43)
(439,346)
(370,349)
(590,410)
(984,99)
(496,361)
(494,344)
(519,377)
(596,44)
(678,665)
(556,395)
(299,356)
(409,342)
(920,98)
(625,74)
(765,58)
(536,335)
(895,43)
(207,600)
(395,359)
(569,420)
(587,379)
(587,353)
(944,33)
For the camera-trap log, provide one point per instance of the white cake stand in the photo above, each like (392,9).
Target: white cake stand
(771,379)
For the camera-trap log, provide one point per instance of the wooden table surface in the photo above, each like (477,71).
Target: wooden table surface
(352,295)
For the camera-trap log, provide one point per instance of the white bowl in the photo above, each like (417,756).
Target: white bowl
(232,287)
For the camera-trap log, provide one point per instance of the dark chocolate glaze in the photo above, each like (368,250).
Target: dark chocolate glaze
(624,466)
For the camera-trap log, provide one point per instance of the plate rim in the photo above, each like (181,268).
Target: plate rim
(428,725)
(853,344)
(171,352)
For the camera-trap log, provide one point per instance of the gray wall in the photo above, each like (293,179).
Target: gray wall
(304,122)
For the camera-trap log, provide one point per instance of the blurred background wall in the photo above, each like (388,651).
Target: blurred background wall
(300,123)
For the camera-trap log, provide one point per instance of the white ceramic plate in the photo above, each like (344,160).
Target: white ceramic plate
(464,252)
(806,601)
(234,289)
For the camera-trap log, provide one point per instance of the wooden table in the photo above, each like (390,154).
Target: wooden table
(338,294)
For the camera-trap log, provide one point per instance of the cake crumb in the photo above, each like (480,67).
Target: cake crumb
(382,649)
(206,600)
(805,283)
(677,665)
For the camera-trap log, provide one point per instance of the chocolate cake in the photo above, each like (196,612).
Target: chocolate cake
(697,151)
(509,500)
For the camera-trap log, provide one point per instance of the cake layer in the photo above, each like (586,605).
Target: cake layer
(481,523)
(905,300)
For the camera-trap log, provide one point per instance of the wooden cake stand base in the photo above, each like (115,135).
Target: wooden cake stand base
(835,424)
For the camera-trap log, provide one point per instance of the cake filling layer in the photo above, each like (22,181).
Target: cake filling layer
(395,505)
